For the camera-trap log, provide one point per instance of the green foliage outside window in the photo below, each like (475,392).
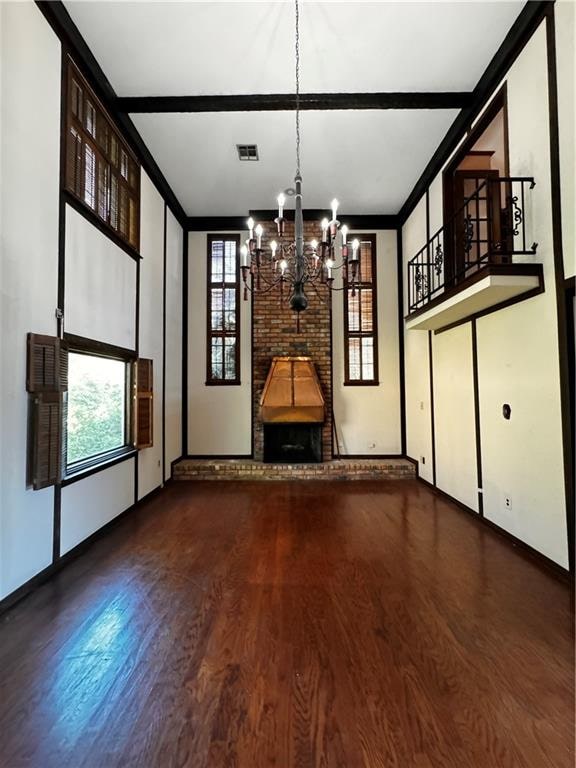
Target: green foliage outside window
(96,406)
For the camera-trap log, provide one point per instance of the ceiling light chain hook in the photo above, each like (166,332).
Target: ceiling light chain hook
(297,19)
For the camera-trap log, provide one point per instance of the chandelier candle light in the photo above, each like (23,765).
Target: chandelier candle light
(293,262)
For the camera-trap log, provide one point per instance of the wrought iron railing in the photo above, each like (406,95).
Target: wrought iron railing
(489,228)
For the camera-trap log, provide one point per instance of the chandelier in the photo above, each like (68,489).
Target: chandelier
(291,263)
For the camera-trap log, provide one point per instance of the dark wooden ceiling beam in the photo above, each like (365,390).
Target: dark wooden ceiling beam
(287,101)
(238,223)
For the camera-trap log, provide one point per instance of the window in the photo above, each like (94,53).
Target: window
(223,321)
(360,319)
(98,408)
(101,172)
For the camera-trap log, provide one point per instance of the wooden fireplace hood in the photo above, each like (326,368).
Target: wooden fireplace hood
(292,392)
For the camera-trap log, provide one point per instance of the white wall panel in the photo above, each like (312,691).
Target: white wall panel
(416,358)
(173,384)
(454,426)
(368,418)
(565,17)
(151,309)
(219,418)
(100,285)
(89,504)
(30,94)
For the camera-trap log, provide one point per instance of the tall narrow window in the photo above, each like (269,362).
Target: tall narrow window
(101,172)
(223,320)
(360,319)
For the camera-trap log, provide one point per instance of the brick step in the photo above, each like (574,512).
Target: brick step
(341,469)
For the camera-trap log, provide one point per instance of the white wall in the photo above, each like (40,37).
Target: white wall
(98,274)
(100,302)
(173,383)
(151,331)
(565,17)
(368,418)
(517,353)
(454,427)
(30,96)
(95,501)
(219,417)
(416,359)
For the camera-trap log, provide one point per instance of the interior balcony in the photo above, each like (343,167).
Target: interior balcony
(480,260)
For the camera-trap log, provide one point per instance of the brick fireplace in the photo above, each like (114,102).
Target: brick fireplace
(274,334)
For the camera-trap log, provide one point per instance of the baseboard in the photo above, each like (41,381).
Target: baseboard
(520,546)
(43,576)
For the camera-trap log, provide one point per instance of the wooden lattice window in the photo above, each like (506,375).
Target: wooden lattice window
(223,317)
(361,319)
(101,171)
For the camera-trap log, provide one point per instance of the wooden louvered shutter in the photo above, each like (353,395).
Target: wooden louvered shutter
(46,453)
(144,403)
(47,381)
(47,368)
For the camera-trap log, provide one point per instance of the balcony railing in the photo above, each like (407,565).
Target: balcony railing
(489,228)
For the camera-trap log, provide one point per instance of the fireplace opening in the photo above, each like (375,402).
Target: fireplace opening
(292,443)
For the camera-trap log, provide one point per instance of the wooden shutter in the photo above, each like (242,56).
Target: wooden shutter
(144,403)
(47,381)
(45,468)
(47,364)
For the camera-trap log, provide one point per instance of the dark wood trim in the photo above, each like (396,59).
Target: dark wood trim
(252,355)
(347,335)
(354,221)
(432,414)
(287,101)
(57,529)
(238,223)
(59,19)
(217,223)
(520,33)
(237,380)
(92,346)
(185,289)
(127,452)
(533,270)
(561,317)
(431,363)
(402,362)
(100,225)
(164,342)
(477,418)
(523,549)
(41,578)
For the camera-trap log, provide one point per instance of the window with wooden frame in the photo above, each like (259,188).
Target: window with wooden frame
(223,316)
(361,319)
(101,171)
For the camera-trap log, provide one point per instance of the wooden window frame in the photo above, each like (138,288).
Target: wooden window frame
(210,334)
(373,285)
(92,348)
(107,165)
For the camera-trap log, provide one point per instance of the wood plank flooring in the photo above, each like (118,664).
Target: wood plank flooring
(302,625)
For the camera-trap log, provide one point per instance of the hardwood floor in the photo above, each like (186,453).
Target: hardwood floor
(292,625)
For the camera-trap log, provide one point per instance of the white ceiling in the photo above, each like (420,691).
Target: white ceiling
(369,159)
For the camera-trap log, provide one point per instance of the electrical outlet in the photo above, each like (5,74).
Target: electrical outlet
(421,405)
(507,503)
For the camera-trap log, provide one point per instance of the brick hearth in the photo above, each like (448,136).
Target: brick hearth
(341,469)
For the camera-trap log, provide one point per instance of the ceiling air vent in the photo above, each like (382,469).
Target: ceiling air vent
(247,151)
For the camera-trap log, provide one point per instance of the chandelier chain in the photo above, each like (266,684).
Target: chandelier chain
(297,48)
